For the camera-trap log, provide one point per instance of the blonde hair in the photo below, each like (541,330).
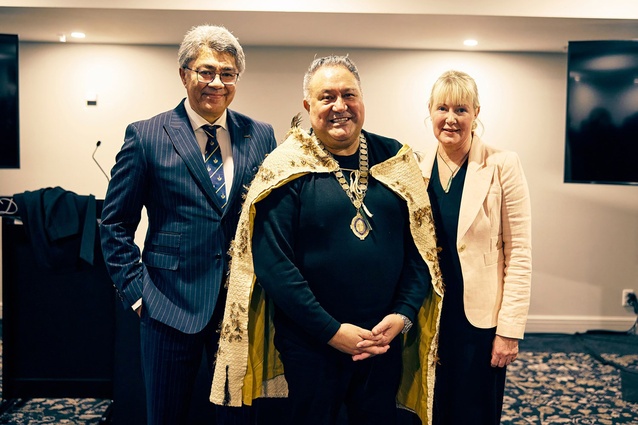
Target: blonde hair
(456,87)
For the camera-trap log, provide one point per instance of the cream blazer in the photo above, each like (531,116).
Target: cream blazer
(494,239)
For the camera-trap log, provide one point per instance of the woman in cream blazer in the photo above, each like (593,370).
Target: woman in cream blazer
(481,208)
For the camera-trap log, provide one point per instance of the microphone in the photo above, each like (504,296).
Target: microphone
(97,145)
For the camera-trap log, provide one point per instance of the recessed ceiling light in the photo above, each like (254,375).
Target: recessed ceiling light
(78,35)
(470,42)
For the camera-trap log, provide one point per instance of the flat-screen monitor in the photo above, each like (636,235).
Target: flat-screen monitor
(9,118)
(601,140)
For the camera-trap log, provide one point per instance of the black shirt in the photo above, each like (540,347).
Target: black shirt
(317,272)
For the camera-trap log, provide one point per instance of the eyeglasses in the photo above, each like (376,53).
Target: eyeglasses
(205,76)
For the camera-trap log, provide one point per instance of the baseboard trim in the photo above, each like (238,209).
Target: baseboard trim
(564,324)
(573,324)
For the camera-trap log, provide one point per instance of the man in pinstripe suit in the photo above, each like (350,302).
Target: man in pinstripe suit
(176,284)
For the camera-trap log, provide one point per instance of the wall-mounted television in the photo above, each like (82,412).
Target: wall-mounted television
(9,114)
(601,140)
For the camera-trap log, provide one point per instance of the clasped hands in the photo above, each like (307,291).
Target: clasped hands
(361,343)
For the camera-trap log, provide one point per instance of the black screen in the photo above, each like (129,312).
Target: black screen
(602,112)
(9,122)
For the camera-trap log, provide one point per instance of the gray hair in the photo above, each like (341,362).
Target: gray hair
(216,38)
(332,61)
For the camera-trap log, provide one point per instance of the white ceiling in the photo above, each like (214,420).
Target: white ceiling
(498,25)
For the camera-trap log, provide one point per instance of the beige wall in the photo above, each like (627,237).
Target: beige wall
(585,236)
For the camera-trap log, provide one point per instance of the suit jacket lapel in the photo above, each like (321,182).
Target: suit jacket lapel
(240,136)
(476,186)
(181,134)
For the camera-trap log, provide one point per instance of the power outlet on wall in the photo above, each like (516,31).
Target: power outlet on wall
(625,296)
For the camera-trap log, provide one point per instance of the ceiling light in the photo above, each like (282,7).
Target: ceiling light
(470,42)
(62,38)
(78,35)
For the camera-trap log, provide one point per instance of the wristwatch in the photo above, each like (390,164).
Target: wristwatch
(407,323)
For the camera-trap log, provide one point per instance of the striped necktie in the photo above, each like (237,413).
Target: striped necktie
(214,164)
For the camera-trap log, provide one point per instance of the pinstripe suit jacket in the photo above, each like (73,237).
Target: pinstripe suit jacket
(184,261)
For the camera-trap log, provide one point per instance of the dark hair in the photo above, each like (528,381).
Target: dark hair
(333,61)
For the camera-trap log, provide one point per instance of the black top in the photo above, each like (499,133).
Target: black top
(318,273)
(445,211)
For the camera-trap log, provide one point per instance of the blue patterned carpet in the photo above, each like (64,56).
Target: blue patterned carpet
(543,388)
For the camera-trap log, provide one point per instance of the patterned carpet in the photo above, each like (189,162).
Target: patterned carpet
(568,388)
(68,411)
(543,388)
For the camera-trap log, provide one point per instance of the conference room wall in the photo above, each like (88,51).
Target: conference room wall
(584,236)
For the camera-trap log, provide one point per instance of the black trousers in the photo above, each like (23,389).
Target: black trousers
(170,361)
(322,381)
(467,389)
